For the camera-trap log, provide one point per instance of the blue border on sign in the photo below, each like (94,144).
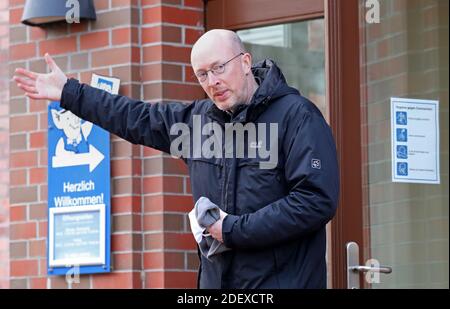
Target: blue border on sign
(101,174)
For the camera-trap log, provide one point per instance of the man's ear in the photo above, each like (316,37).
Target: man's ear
(56,116)
(247,62)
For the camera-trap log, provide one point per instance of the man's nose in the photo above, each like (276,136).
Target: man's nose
(212,79)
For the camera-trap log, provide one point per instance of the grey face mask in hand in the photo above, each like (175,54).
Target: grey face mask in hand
(205,214)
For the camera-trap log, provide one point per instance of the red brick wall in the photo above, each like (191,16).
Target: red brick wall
(146,43)
(4,146)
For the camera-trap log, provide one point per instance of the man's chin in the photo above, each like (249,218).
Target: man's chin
(224,105)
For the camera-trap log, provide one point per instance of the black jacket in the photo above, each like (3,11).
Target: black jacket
(277,217)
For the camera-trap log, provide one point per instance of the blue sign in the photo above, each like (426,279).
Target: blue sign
(105,84)
(402,118)
(78,194)
(402,168)
(402,152)
(402,135)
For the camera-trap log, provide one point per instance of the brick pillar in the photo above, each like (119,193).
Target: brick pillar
(146,44)
(169,28)
(113,43)
(4,146)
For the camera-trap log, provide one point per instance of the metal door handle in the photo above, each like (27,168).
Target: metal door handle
(354,269)
(363,269)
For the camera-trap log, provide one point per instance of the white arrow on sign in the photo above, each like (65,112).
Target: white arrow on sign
(93,158)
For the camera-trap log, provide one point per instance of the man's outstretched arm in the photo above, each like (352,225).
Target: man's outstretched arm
(133,120)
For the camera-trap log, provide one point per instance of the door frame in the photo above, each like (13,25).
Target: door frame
(342,67)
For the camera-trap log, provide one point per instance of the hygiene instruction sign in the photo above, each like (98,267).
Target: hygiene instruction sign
(78,191)
(415,141)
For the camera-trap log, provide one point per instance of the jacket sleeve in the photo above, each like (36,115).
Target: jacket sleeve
(135,121)
(313,194)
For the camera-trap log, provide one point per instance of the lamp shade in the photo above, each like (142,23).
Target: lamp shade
(41,12)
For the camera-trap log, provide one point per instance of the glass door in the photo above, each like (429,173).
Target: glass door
(298,48)
(405,223)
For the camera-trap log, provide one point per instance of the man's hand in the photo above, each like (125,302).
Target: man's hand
(42,86)
(216,229)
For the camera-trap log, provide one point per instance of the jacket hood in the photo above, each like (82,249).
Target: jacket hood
(272,85)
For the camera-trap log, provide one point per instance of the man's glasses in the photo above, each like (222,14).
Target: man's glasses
(216,70)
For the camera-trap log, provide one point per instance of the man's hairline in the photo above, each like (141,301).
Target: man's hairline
(236,44)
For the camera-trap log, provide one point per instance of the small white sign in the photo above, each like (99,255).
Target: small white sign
(415,140)
(110,84)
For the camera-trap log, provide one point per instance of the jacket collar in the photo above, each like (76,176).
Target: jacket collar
(272,85)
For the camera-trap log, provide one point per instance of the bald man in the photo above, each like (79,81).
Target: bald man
(255,148)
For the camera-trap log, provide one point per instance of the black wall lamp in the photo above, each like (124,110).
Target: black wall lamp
(42,12)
